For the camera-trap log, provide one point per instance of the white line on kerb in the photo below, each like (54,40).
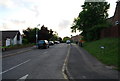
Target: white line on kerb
(65,63)
(14,67)
(23,78)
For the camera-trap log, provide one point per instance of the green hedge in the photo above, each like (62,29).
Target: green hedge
(11,47)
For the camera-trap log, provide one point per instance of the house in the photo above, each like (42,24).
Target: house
(115,19)
(114,30)
(76,38)
(11,38)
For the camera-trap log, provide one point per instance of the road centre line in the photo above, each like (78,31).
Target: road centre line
(15,66)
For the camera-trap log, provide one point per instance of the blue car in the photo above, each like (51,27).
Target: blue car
(43,44)
(68,41)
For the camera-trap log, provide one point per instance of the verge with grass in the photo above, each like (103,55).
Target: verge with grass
(12,47)
(105,50)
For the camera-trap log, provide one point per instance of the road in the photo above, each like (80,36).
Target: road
(36,64)
(49,63)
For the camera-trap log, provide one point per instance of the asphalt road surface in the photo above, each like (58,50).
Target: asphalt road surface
(36,64)
(48,64)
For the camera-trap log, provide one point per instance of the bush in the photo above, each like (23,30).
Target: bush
(25,41)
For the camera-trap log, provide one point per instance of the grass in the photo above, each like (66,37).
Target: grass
(109,55)
(11,47)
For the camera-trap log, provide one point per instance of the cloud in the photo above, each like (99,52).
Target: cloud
(55,14)
(12,3)
(5,26)
(18,22)
(7,3)
(64,24)
(20,4)
(35,9)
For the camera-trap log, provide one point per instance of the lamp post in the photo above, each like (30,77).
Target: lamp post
(37,33)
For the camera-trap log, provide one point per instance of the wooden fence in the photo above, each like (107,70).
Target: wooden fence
(110,32)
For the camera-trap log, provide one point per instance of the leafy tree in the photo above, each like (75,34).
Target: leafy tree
(43,34)
(54,37)
(60,39)
(51,33)
(91,19)
(30,35)
(66,38)
(25,41)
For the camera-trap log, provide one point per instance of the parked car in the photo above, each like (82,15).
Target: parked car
(68,41)
(51,43)
(57,42)
(43,44)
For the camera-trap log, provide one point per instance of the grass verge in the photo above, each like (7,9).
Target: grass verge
(105,50)
(12,47)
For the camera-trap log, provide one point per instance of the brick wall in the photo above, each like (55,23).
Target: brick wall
(110,32)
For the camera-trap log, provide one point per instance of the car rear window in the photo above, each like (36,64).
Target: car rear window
(41,41)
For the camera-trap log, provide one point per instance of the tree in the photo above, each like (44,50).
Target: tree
(60,39)
(50,33)
(91,19)
(43,34)
(54,37)
(30,35)
(66,38)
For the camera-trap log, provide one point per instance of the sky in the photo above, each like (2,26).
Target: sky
(57,15)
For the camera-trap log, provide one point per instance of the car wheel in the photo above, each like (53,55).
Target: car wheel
(3,49)
(46,47)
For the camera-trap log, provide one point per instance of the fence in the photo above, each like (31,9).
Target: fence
(110,32)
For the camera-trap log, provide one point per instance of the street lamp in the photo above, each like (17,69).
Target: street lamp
(37,33)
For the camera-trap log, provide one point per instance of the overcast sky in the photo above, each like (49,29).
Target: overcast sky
(57,15)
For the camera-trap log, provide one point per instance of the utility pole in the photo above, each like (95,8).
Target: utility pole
(37,33)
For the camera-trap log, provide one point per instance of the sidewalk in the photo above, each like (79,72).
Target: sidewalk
(16,51)
(82,65)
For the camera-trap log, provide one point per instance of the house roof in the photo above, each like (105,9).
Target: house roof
(116,16)
(9,34)
(118,1)
(76,38)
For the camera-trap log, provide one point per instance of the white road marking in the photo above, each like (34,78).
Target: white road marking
(45,52)
(23,78)
(84,77)
(15,67)
(65,63)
